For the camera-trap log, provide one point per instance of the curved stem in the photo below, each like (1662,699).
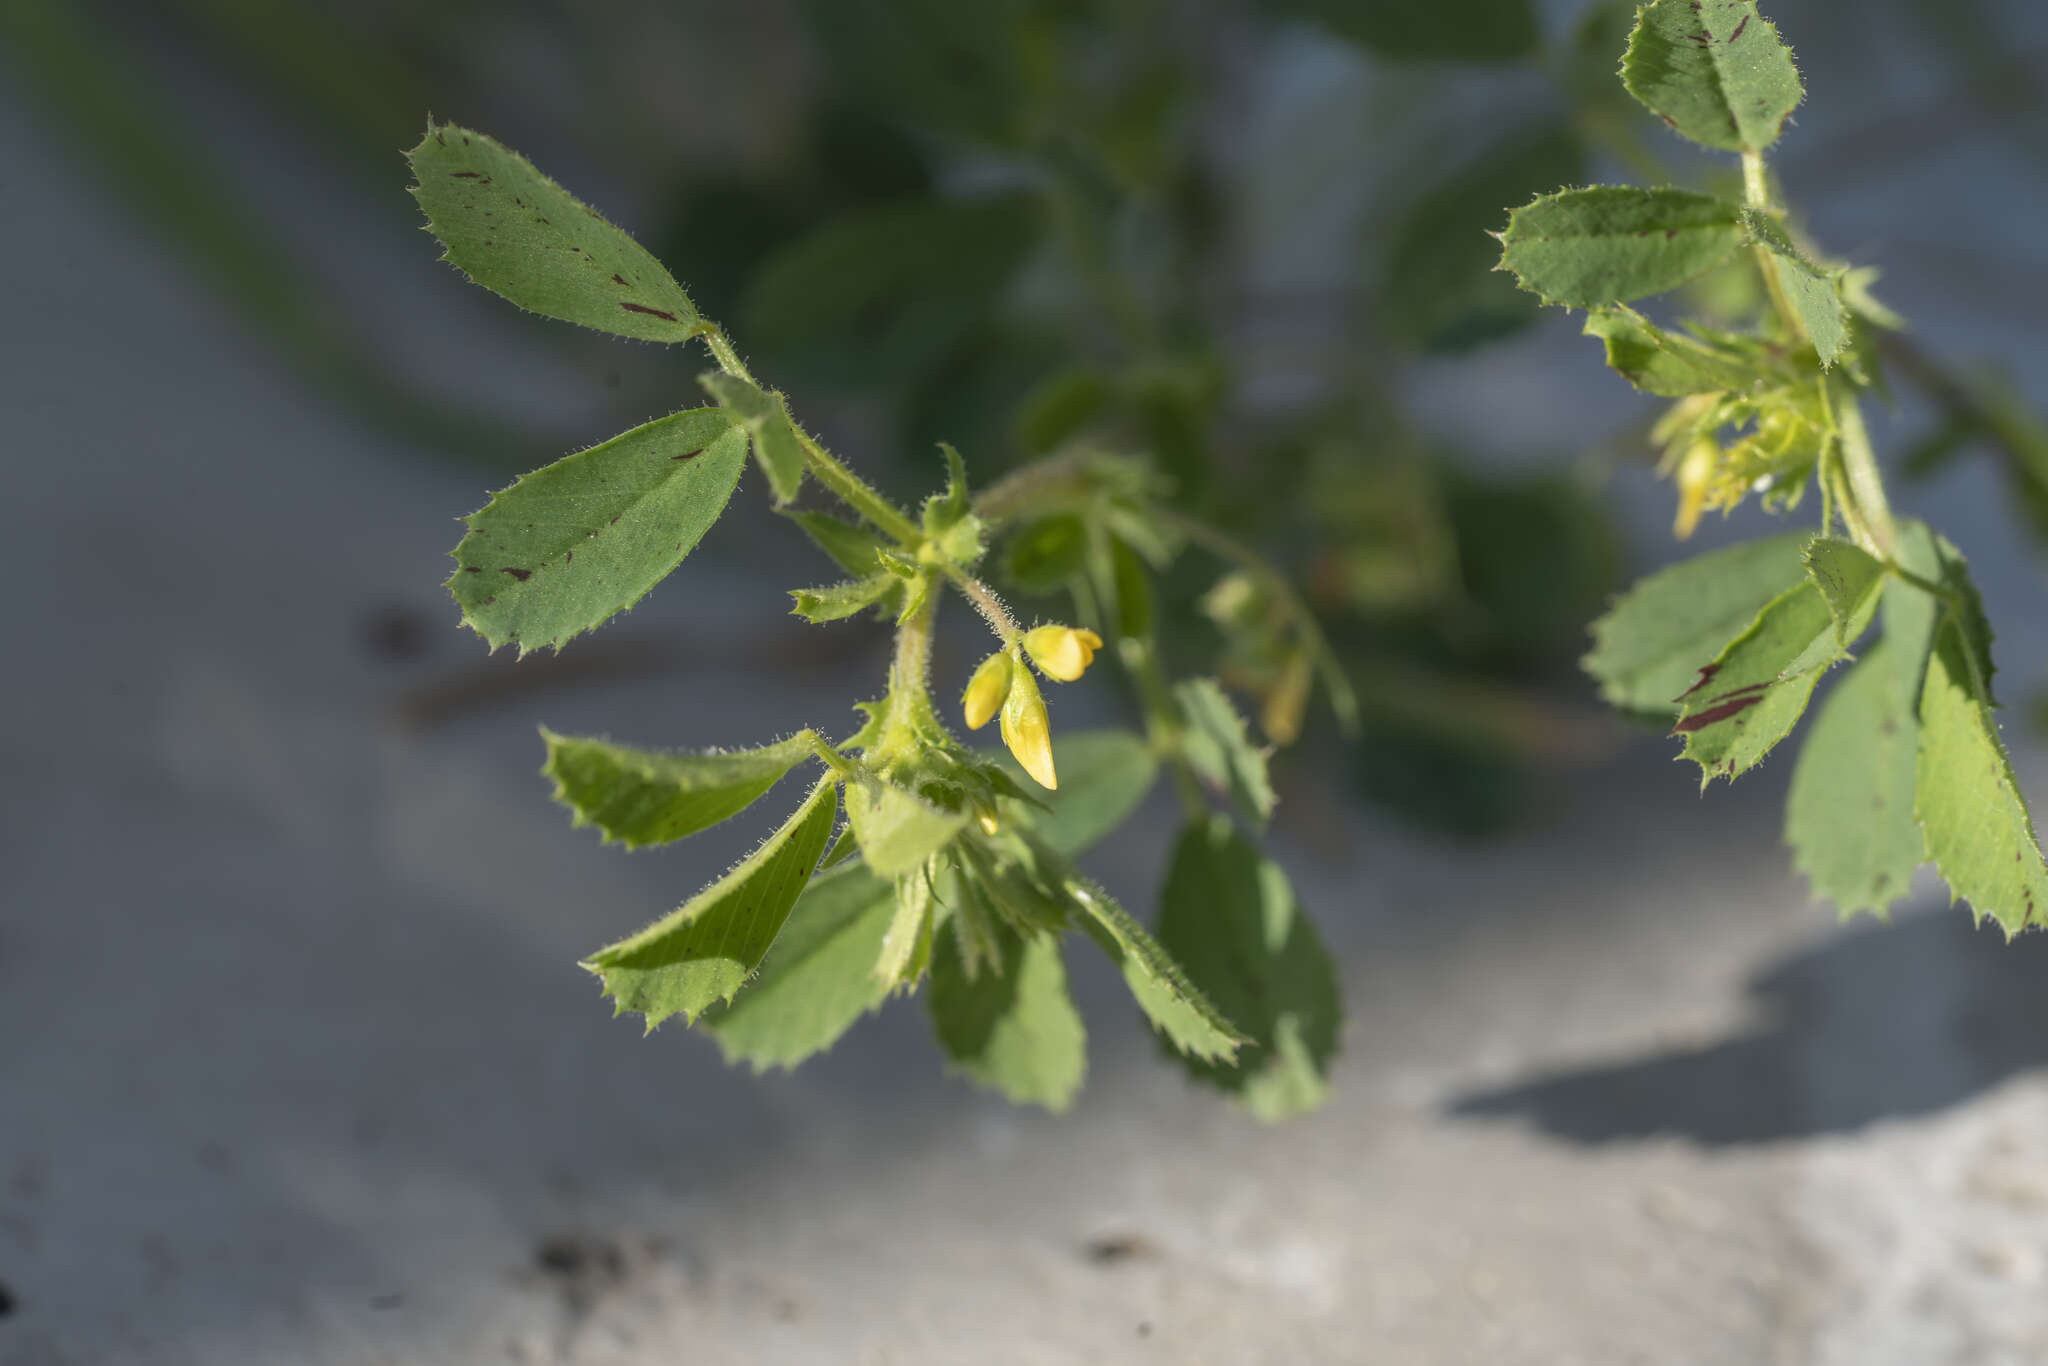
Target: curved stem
(1862,482)
(1343,700)
(985,602)
(856,493)
(851,489)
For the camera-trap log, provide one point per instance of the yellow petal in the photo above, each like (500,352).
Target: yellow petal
(1062,652)
(1695,475)
(1027,730)
(986,691)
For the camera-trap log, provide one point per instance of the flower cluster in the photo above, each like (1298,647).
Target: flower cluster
(1003,685)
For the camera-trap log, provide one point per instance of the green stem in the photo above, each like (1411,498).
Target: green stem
(985,602)
(1863,484)
(1343,700)
(910,713)
(722,351)
(1058,479)
(857,494)
(851,489)
(1756,192)
(844,768)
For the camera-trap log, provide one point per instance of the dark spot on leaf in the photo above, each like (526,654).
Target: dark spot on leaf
(1706,675)
(1719,712)
(618,279)
(1738,29)
(1670,233)
(690,455)
(469,175)
(567,556)
(643,308)
(472,569)
(520,574)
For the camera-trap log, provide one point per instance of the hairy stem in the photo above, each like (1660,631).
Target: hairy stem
(1862,483)
(1756,192)
(985,602)
(829,470)
(857,494)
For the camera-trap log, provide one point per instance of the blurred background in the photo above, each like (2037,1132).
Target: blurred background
(295,1061)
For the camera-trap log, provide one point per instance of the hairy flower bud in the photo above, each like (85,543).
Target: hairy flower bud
(1026,729)
(1062,652)
(986,690)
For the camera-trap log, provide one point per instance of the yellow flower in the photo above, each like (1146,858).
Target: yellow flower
(1062,652)
(986,690)
(1026,729)
(1695,477)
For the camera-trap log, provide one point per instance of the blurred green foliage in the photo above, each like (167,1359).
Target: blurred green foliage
(1015,225)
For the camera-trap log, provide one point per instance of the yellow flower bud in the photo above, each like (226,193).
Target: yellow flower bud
(1062,652)
(1027,731)
(1695,477)
(986,691)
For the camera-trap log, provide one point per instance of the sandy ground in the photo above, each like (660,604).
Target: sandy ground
(295,1065)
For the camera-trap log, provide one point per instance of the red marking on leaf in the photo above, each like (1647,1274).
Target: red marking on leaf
(1706,676)
(1738,29)
(690,455)
(520,574)
(643,308)
(618,279)
(469,175)
(1719,712)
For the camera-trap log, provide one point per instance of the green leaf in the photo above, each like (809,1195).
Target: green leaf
(897,831)
(851,547)
(1011,1026)
(1174,1005)
(1611,243)
(907,944)
(703,952)
(639,797)
(1439,289)
(818,980)
(1814,293)
(1427,30)
(1849,580)
(1980,834)
(1045,555)
(879,294)
(1715,70)
(571,545)
(766,418)
(1651,644)
(1754,692)
(1229,915)
(1849,817)
(1219,748)
(1104,774)
(520,235)
(1667,363)
(839,600)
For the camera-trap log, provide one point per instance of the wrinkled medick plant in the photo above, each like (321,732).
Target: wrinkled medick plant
(953,869)
(1904,763)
